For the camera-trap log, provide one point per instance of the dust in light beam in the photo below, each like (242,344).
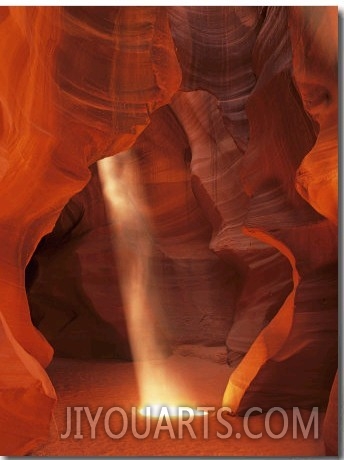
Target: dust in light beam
(133,246)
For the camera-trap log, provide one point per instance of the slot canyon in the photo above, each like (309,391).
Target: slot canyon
(168,225)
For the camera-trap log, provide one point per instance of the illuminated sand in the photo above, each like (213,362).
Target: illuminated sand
(255,125)
(133,248)
(108,384)
(155,411)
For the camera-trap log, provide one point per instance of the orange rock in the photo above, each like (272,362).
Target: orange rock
(77,84)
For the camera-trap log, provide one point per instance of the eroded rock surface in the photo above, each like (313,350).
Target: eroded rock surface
(226,120)
(66,102)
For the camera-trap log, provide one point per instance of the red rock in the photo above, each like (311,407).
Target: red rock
(58,117)
(224,122)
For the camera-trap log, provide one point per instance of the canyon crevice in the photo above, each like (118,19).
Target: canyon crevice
(225,119)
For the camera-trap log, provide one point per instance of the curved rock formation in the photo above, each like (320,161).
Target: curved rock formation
(72,281)
(225,118)
(268,176)
(60,114)
(314,36)
(197,289)
(226,36)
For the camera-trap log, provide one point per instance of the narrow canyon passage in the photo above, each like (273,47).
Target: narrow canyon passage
(168,225)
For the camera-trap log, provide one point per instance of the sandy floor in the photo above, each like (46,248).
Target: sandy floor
(108,384)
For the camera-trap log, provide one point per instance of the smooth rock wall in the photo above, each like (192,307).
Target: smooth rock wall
(226,117)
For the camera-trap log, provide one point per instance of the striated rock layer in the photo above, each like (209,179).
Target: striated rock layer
(225,118)
(60,114)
